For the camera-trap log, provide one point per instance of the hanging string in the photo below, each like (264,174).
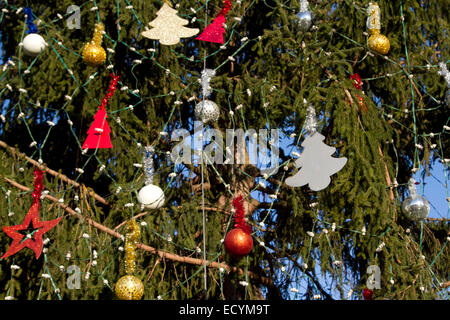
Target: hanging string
(111,89)
(38,185)
(239,215)
(205,76)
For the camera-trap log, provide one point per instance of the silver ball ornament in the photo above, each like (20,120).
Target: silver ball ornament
(416,207)
(304,20)
(207,111)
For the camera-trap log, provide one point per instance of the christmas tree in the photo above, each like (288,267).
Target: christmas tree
(306,244)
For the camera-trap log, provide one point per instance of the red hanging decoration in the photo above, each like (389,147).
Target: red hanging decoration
(239,242)
(32,217)
(239,215)
(215,31)
(367,294)
(98,133)
(357,82)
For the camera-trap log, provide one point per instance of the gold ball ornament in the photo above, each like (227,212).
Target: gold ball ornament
(379,43)
(93,54)
(129,288)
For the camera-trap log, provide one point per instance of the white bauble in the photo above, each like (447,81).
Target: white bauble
(151,196)
(33,44)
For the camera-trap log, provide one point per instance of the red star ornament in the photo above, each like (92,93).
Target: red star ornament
(41,226)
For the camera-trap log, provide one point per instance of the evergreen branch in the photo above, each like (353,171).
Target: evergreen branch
(50,171)
(386,170)
(161,254)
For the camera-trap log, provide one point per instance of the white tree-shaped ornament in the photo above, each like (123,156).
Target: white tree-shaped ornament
(316,163)
(168,27)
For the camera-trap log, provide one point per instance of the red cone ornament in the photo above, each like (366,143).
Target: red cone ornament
(98,133)
(215,31)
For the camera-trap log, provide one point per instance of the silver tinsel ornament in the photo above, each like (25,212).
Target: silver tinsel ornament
(311,119)
(416,207)
(304,17)
(147,159)
(150,196)
(207,110)
(443,71)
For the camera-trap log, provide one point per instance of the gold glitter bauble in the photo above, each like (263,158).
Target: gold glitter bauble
(93,55)
(129,288)
(379,43)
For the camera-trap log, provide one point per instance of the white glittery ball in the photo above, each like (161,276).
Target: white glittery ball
(151,196)
(207,111)
(33,44)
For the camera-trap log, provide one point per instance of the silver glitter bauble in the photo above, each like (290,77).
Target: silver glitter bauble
(304,20)
(207,111)
(416,207)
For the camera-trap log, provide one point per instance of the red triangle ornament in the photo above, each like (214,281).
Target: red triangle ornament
(214,32)
(98,133)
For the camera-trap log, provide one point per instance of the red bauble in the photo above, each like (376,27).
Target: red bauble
(238,243)
(367,294)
